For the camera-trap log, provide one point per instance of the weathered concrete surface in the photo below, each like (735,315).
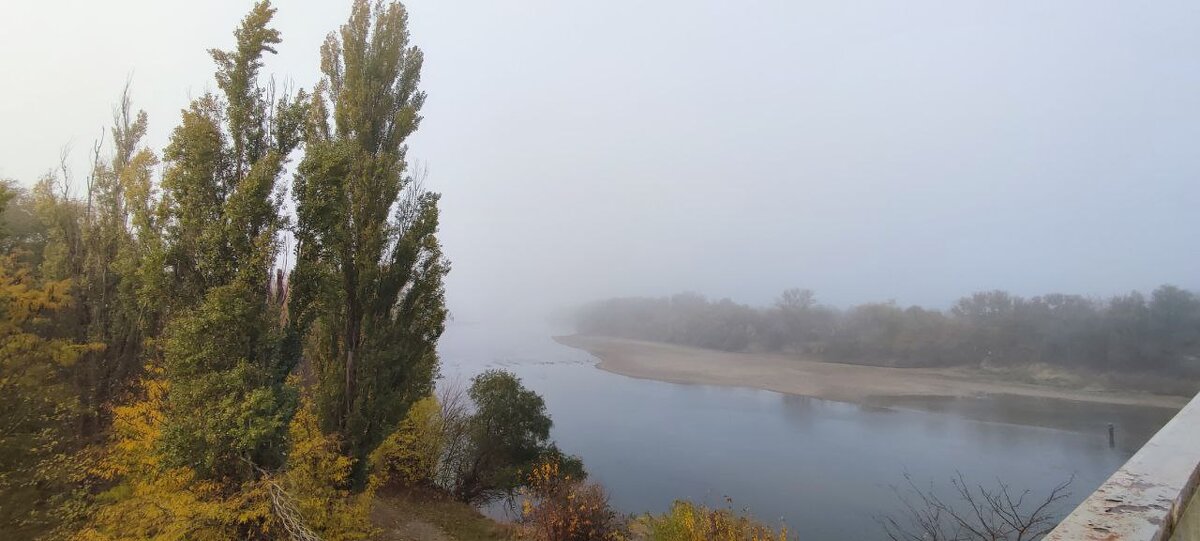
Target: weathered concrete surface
(1145,498)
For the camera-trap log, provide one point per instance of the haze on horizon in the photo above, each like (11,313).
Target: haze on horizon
(913,151)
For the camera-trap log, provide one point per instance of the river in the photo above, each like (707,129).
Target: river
(825,469)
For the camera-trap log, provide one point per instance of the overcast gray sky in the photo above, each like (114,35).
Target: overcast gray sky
(869,150)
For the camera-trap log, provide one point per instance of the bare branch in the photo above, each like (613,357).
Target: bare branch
(977,514)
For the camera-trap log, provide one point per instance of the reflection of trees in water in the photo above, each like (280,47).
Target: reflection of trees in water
(1134,424)
(806,411)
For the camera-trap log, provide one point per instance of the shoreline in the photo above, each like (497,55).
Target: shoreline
(862,384)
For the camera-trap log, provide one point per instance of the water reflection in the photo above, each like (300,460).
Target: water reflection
(823,467)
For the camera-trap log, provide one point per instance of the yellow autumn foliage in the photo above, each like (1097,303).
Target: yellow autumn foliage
(318,480)
(687,521)
(38,407)
(150,501)
(409,456)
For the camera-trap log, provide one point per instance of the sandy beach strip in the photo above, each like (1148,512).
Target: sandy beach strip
(827,380)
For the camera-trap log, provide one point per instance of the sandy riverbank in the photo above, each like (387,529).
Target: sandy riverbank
(832,381)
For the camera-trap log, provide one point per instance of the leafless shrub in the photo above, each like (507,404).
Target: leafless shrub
(456,413)
(977,513)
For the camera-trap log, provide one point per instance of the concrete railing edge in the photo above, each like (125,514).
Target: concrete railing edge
(1145,498)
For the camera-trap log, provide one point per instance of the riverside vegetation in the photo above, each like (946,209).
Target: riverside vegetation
(1151,343)
(160,379)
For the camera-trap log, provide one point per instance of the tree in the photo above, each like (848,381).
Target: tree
(119,282)
(992,330)
(367,286)
(508,434)
(37,406)
(227,355)
(42,350)
(987,319)
(1174,328)
(1127,330)
(23,233)
(190,453)
(8,192)
(149,499)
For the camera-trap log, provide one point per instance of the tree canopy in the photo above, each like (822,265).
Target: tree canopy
(367,287)
(154,356)
(1125,333)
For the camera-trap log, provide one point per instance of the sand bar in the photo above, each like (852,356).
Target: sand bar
(826,380)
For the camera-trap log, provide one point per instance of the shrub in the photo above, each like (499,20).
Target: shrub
(150,500)
(690,522)
(560,507)
(410,456)
(318,481)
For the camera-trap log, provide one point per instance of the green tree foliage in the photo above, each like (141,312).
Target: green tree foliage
(8,192)
(60,247)
(507,436)
(477,445)
(22,231)
(367,286)
(175,278)
(227,354)
(119,285)
(148,499)
(148,376)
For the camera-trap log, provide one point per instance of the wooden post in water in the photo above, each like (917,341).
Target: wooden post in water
(1112,441)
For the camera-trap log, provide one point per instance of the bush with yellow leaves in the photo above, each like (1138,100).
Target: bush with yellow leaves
(318,479)
(38,405)
(410,456)
(152,501)
(687,521)
(558,507)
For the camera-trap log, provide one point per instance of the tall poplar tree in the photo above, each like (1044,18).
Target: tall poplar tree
(118,292)
(226,353)
(367,286)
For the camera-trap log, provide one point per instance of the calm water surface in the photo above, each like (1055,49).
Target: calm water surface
(824,468)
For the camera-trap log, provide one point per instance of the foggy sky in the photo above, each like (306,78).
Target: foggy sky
(868,150)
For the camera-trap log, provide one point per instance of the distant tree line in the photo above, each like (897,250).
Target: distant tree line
(1132,332)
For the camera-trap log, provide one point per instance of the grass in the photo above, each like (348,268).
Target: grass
(458,521)
(1066,378)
